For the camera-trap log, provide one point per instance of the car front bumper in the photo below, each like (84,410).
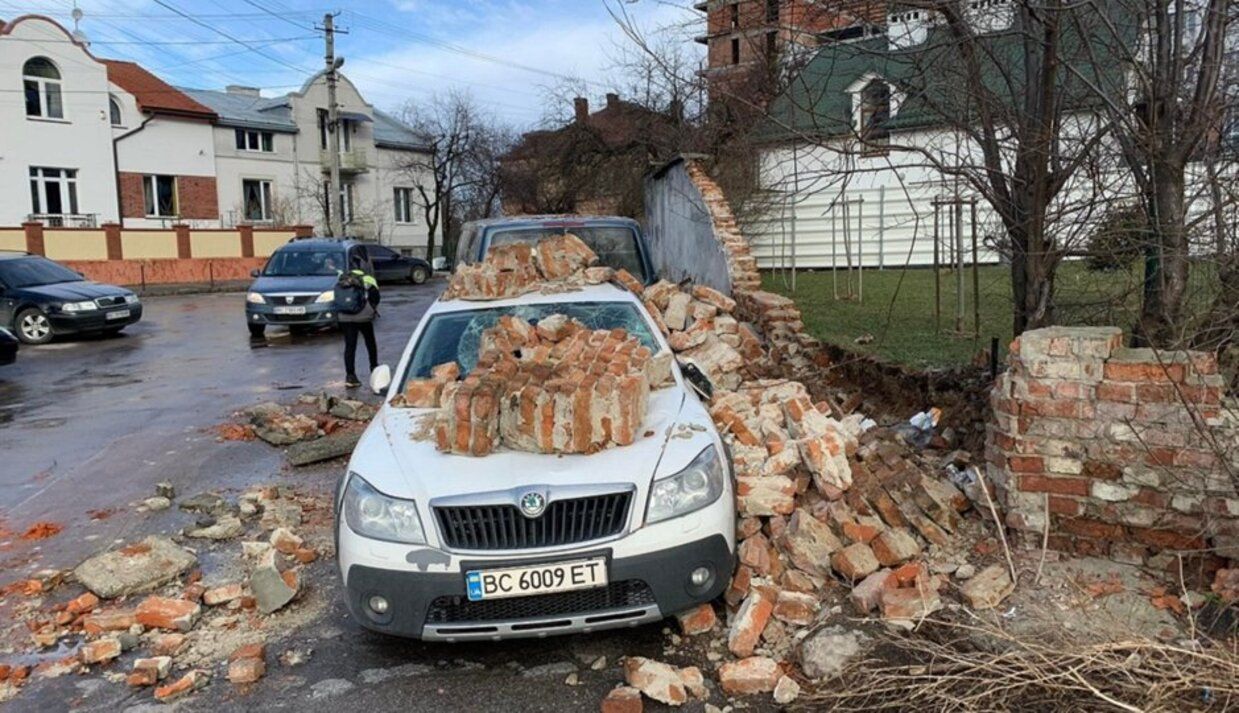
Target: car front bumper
(94,320)
(322,314)
(648,579)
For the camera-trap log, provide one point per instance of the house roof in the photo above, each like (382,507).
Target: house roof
(618,124)
(153,94)
(247,111)
(929,78)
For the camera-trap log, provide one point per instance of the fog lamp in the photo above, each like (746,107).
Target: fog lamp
(699,576)
(378,604)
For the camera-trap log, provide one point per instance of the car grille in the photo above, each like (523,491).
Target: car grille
(297,299)
(114,301)
(625,594)
(503,527)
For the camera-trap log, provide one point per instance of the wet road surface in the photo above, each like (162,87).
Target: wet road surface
(90,425)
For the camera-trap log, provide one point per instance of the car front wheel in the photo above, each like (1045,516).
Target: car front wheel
(33,327)
(257,330)
(418,275)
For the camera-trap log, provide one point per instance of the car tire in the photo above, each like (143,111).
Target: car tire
(257,330)
(33,326)
(418,275)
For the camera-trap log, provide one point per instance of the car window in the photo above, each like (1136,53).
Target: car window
(34,271)
(304,263)
(616,246)
(378,251)
(456,336)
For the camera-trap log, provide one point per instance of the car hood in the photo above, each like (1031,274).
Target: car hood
(75,291)
(419,471)
(308,283)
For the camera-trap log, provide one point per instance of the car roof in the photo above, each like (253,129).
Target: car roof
(606,292)
(14,254)
(564,219)
(317,243)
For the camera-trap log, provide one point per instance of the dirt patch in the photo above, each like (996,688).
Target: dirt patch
(42,531)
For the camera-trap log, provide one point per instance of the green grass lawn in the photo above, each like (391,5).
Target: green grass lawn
(898,308)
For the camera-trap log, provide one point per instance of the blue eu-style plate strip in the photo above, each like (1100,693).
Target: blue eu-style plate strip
(473,584)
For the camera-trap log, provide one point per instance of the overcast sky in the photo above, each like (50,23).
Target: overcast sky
(504,52)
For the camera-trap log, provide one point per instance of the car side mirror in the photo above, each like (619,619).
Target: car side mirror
(697,379)
(255,272)
(380,379)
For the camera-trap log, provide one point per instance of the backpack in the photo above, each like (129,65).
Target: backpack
(350,294)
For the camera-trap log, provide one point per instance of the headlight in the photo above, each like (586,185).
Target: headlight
(328,296)
(691,489)
(84,306)
(131,299)
(255,298)
(370,513)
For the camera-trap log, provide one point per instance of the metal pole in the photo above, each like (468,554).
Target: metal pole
(959,264)
(847,247)
(834,254)
(860,249)
(976,279)
(937,285)
(881,227)
(335,201)
(795,198)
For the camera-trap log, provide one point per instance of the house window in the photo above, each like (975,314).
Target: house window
(404,205)
(159,194)
(346,196)
(735,50)
(248,140)
(114,111)
(53,191)
(41,81)
(772,11)
(735,15)
(346,134)
(875,111)
(772,46)
(256,199)
(322,129)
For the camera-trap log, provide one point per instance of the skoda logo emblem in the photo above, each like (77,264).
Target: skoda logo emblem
(532,504)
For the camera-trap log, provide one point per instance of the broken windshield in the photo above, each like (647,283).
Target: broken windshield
(456,336)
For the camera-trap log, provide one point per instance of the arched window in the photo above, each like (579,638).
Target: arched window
(114,111)
(41,81)
(875,111)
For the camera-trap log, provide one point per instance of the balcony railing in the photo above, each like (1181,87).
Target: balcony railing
(351,161)
(65,220)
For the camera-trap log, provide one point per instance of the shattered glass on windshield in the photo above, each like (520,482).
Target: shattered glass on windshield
(456,336)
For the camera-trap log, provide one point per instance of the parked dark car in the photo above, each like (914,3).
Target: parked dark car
(618,241)
(8,347)
(40,298)
(391,266)
(296,288)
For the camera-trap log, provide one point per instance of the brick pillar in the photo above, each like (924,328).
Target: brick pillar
(303,231)
(247,240)
(111,231)
(34,238)
(182,241)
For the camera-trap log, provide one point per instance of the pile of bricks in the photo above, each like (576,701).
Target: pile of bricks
(556,387)
(1129,453)
(557,262)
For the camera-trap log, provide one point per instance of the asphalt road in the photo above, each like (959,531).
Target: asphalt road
(87,426)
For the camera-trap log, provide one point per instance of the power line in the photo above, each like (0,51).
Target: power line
(155,43)
(276,15)
(220,32)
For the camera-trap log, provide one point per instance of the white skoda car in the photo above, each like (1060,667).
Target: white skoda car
(439,546)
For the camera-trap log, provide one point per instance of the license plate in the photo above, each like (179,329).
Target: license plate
(536,579)
(290,310)
(119,314)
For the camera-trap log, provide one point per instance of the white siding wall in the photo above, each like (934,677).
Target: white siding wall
(81,141)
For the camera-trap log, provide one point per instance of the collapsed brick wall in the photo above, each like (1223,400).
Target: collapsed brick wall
(1131,451)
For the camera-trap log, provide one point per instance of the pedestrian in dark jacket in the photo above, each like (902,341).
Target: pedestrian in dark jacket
(360,323)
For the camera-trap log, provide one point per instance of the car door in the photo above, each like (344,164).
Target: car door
(388,264)
(8,305)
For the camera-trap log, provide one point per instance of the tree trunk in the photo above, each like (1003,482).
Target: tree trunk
(1166,260)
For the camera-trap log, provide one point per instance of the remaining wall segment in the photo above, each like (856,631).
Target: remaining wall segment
(1128,452)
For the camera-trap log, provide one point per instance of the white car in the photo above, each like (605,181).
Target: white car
(438,546)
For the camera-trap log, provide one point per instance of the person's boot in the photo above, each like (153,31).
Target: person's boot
(351,381)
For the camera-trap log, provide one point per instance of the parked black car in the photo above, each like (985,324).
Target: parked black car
(40,298)
(391,266)
(8,347)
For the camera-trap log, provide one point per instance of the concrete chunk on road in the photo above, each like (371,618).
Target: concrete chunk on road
(137,567)
(325,448)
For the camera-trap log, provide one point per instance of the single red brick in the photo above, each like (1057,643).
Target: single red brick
(1085,527)
(1026,464)
(1046,484)
(1060,505)
(1110,391)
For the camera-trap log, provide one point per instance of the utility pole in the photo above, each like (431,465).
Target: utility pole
(335,201)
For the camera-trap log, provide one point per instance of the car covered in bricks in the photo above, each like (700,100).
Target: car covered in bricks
(543,466)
